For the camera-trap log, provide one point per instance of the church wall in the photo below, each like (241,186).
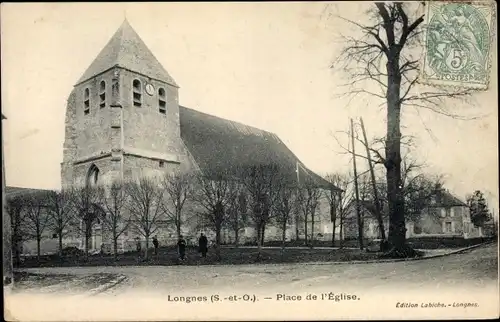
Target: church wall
(93,131)
(145,128)
(69,146)
(135,167)
(108,171)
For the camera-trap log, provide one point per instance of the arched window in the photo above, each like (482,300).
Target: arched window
(137,92)
(162,101)
(92,176)
(86,101)
(102,94)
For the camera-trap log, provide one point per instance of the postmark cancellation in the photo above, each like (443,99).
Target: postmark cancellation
(459,40)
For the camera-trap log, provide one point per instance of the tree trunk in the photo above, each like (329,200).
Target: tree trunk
(306,239)
(334,222)
(341,231)
(146,249)
(38,247)
(236,236)
(87,246)
(297,237)
(60,243)
(397,230)
(259,241)
(356,190)
(178,223)
(115,244)
(217,242)
(374,185)
(283,239)
(178,230)
(17,251)
(262,234)
(15,247)
(312,230)
(88,235)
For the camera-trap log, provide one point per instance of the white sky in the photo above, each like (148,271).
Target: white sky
(263,64)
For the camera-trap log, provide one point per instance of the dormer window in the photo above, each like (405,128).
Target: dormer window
(86,101)
(137,92)
(162,101)
(102,94)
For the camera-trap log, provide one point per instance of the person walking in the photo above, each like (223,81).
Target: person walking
(181,244)
(156,244)
(203,245)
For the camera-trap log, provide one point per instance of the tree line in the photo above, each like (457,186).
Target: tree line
(257,196)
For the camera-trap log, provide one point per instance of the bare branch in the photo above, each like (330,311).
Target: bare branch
(373,31)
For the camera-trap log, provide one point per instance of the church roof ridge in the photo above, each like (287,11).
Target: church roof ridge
(228,120)
(218,143)
(127,50)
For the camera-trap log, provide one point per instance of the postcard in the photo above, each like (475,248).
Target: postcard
(249,161)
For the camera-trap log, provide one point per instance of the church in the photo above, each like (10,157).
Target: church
(124,121)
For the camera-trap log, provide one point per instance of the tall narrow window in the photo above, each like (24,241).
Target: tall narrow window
(137,92)
(92,176)
(86,101)
(102,94)
(162,101)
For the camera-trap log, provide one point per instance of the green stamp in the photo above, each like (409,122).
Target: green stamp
(458,44)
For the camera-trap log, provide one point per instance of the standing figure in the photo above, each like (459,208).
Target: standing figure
(181,244)
(138,247)
(203,245)
(155,244)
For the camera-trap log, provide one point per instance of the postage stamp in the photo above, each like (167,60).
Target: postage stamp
(458,44)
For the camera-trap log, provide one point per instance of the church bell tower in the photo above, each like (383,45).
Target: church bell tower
(122,116)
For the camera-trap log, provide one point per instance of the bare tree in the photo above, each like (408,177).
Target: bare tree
(237,214)
(315,196)
(145,199)
(215,191)
(308,196)
(418,187)
(284,208)
(339,199)
(60,207)
(37,218)
(117,219)
(17,213)
(178,189)
(389,42)
(87,210)
(263,182)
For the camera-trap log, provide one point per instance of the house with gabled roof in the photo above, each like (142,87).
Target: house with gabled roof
(444,216)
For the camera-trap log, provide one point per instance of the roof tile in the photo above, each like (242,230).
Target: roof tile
(220,144)
(127,50)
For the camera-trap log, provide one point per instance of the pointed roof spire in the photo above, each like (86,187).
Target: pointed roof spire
(127,50)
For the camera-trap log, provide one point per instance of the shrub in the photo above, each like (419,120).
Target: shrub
(72,251)
(444,242)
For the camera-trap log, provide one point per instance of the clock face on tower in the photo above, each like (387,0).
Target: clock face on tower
(150,89)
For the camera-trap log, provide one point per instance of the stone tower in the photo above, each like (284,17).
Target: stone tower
(122,117)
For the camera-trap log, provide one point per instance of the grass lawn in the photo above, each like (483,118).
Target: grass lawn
(230,256)
(426,242)
(25,281)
